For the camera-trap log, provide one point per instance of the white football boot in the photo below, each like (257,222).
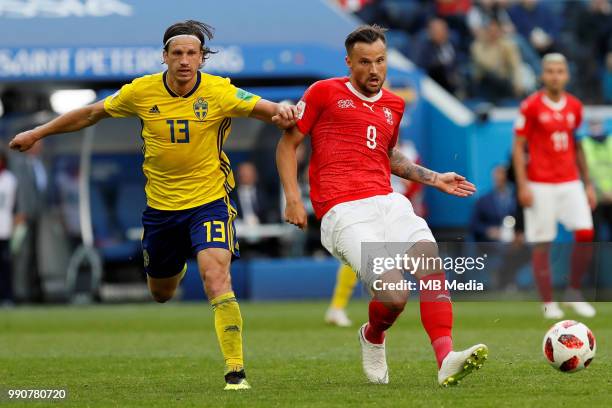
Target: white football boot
(374,359)
(458,364)
(337,317)
(575,301)
(552,311)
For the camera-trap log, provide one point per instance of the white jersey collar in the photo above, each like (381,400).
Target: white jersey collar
(556,106)
(362,96)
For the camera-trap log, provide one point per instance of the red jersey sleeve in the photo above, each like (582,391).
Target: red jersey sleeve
(579,112)
(524,121)
(310,107)
(397,126)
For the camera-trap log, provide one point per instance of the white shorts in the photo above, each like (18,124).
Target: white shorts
(379,219)
(556,202)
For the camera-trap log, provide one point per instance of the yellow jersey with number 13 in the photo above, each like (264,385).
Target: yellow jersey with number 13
(183,136)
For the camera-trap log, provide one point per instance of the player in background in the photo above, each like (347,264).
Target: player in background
(554,185)
(346,280)
(354,123)
(186,117)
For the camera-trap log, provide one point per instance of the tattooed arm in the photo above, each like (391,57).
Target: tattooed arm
(450,183)
(403,167)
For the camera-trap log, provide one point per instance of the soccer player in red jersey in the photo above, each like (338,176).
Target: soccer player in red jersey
(553,185)
(354,124)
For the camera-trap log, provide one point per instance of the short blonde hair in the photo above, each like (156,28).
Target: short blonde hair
(554,57)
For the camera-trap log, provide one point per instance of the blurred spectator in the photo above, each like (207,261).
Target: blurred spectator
(484,11)
(438,57)
(31,204)
(494,221)
(369,11)
(593,27)
(8,190)
(597,148)
(353,5)
(455,12)
(251,200)
(497,65)
(446,8)
(492,208)
(409,16)
(481,14)
(253,210)
(592,31)
(536,22)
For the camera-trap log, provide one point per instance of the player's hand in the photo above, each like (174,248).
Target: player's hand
(454,184)
(286,116)
(295,214)
(23,141)
(525,197)
(591,195)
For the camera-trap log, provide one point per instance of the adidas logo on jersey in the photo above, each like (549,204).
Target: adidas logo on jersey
(154,109)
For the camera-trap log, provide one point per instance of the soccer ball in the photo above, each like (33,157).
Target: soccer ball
(569,346)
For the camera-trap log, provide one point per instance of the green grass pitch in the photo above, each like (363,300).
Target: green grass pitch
(166,355)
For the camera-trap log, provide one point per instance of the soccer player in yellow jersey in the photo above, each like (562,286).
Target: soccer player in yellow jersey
(346,279)
(186,117)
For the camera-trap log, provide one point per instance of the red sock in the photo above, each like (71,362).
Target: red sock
(437,315)
(442,346)
(541,273)
(381,318)
(581,257)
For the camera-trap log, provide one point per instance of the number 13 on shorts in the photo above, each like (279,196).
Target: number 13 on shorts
(215,231)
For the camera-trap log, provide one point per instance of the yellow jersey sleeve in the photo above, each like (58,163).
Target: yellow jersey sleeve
(235,101)
(121,103)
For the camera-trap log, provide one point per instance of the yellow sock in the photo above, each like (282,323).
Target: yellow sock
(228,325)
(345,283)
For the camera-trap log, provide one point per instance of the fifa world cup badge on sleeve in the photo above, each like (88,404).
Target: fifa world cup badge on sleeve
(301,107)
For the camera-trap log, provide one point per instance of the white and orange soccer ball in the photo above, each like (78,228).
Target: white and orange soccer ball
(569,346)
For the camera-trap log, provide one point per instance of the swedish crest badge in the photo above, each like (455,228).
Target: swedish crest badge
(200,108)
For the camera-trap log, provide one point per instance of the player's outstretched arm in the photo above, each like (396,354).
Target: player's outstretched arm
(68,122)
(450,183)
(286,162)
(519,163)
(586,178)
(281,114)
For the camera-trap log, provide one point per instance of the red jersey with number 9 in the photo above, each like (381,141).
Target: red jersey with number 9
(549,128)
(351,135)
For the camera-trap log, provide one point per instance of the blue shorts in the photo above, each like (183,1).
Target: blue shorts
(170,237)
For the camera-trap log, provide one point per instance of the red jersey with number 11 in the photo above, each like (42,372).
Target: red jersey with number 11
(549,128)
(351,135)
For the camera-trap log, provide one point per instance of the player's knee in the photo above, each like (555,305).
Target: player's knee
(396,305)
(217,282)
(161,296)
(394,300)
(428,252)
